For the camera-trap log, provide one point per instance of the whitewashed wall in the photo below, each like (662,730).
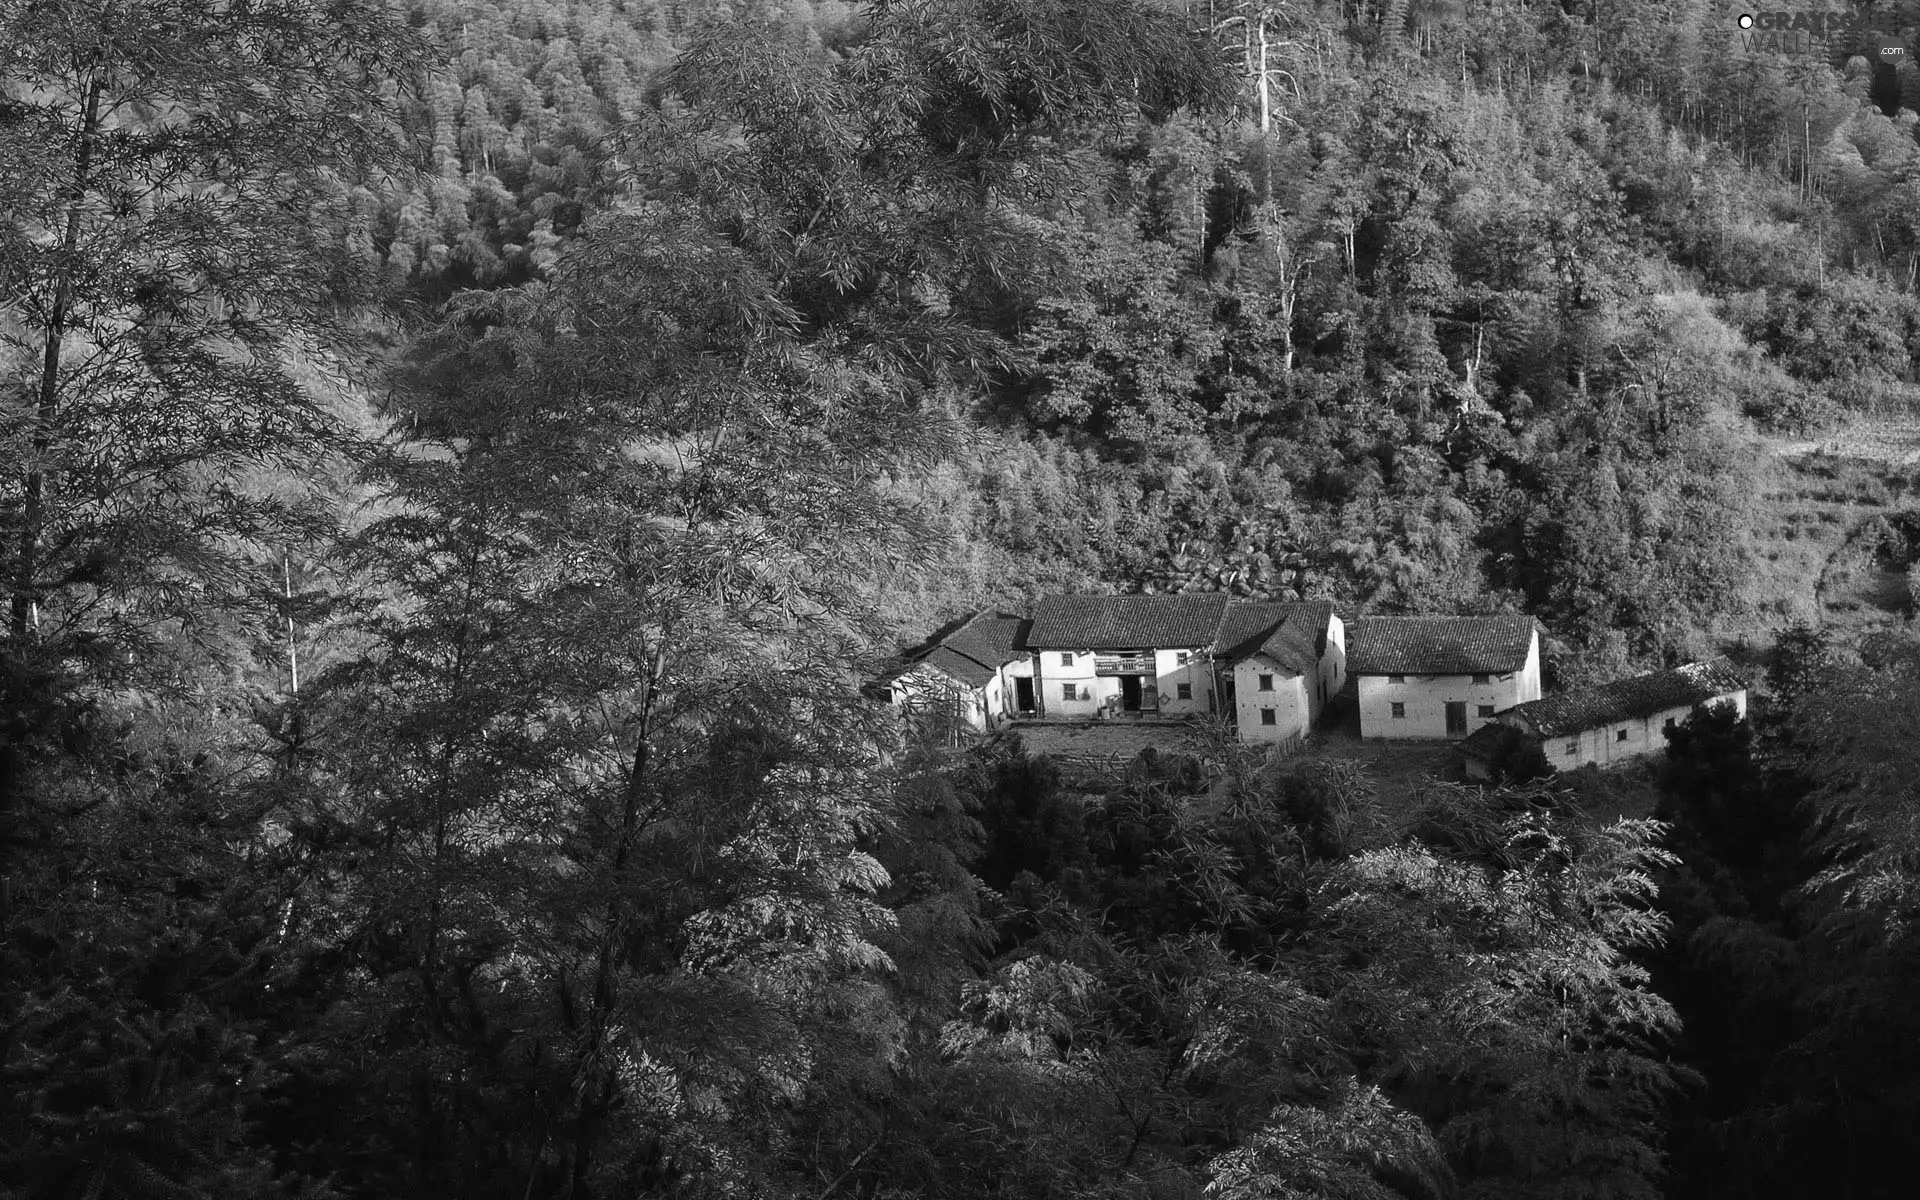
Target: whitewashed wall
(1169,674)
(924,685)
(1005,696)
(1290,700)
(1425,698)
(1333,664)
(1645,735)
(1051,674)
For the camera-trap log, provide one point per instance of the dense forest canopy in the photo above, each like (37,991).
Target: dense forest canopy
(462,460)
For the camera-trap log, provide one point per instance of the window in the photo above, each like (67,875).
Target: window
(1396,679)
(1069,692)
(1399,709)
(1482,679)
(1182,656)
(1185,690)
(1485,710)
(1669,724)
(1620,736)
(1573,747)
(1266,683)
(1269,717)
(1066,660)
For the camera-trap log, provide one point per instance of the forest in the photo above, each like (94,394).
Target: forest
(460,461)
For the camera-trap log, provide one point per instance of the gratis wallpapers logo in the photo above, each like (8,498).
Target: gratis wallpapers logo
(1884,32)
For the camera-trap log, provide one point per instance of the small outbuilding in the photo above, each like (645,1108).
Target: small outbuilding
(1613,722)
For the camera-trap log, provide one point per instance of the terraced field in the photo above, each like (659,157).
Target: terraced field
(1811,504)
(1893,441)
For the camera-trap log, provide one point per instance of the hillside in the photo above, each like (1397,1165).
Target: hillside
(1406,371)
(462,462)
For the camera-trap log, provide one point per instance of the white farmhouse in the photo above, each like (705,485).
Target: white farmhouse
(1441,677)
(976,673)
(1279,664)
(1139,656)
(1616,721)
(1270,667)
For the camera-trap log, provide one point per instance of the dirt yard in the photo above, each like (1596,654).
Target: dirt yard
(1399,767)
(1096,755)
(1107,740)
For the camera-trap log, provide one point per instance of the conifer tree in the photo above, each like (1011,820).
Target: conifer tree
(174,310)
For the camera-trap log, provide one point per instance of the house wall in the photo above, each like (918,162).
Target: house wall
(1170,674)
(1529,679)
(1051,675)
(1425,697)
(923,686)
(1002,696)
(1604,747)
(1332,668)
(1290,698)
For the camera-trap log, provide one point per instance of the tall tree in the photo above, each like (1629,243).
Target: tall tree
(172,283)
(173,300)
(605,741)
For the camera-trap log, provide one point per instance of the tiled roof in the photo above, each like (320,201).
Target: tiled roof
(1482,742)
(991,638)
(952,662)
(1293,635)
(1629,699)
(1439,645)
(970,651)
(1126,622)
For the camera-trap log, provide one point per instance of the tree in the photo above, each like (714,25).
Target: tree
(1267,37)
(1794,909)
(173,325)
(1516,758)
(1493,954)
(1862,764)
(1128,361)
(1715,791)
(1802,657)
(611,790)
(170,268)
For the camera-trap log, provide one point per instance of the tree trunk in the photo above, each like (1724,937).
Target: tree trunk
(48,407)
(1473,368)
(1288,295)
(599,1091)
(1806,150)
(25,616)
(1266,103)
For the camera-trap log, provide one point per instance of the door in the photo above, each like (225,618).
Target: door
(1130,693)
(1022,694)
(1456,716)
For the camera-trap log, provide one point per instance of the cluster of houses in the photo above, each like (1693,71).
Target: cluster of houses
(1272,668)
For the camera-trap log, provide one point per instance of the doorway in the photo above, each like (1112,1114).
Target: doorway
(1129,693)
(1022,694)
(1456,716)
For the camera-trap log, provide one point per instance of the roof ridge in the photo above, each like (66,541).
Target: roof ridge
(1442,644)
